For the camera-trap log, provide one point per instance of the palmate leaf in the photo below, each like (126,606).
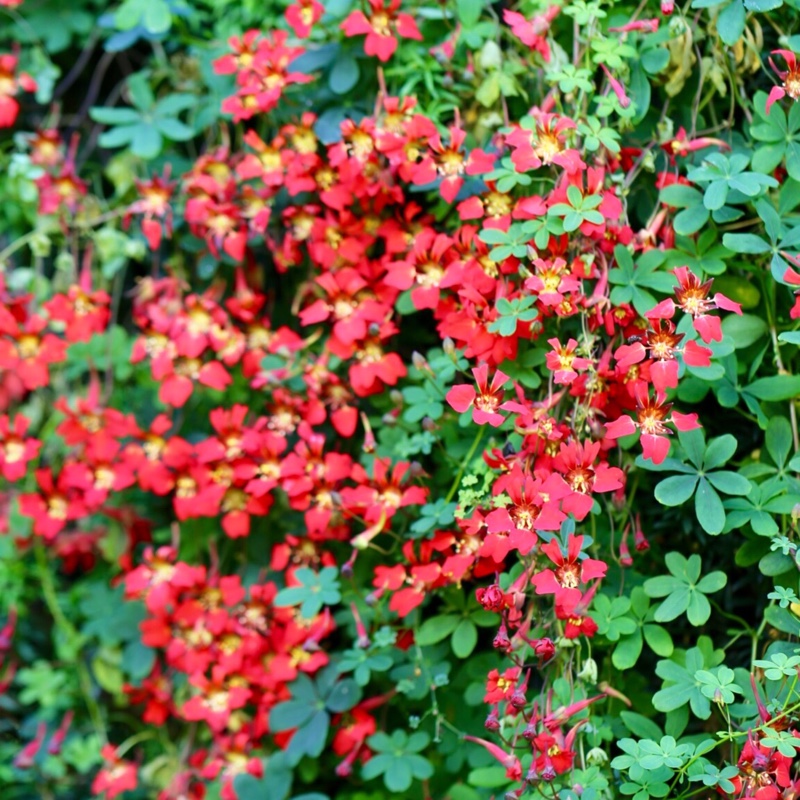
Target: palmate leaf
(680,686)
(633,282)
(703,479)
(683,590)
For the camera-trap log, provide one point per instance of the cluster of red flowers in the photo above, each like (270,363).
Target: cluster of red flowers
(237,650)
(349,217)
(260,64)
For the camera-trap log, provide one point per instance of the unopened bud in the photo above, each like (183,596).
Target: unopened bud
(418,360)
(501,641)
(529,734)
(64,262)
(597,757)
(40,245)
(396,396)
(796,513)
(492,722)
(518,699)
(449,346)
(428,424)
(490,56)
(589,671)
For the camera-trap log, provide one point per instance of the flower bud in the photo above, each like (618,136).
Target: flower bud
(597,757)
(449,346)
(501,641)
(40,245)
(589,671)
(548,773)
(492,722)
(544,648)
(490,56)
(492,598)
(530,733)
(344,769)
(418,360)
(518,699)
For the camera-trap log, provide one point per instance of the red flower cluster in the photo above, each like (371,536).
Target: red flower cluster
(260,64)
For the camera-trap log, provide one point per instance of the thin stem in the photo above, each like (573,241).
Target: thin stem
(464,463)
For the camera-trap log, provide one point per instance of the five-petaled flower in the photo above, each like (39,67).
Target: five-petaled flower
(652,417)
(570,572)
(691,296)
(487,401)
(381,27)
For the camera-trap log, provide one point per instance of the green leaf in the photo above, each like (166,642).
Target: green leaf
(719,451)
(435,629)
(778,440)
(157,17)
(465,637)
(469,12)
(776,387)
(729,482)
(676,490)
(344,695)
(708,508)
(674,605)
(744,330)
(730,22)
(627,652)
(344,74)
(658,640)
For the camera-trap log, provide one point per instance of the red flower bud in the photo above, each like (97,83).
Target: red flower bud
(501,641)
(492,598)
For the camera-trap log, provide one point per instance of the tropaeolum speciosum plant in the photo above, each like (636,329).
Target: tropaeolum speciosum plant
(399,399)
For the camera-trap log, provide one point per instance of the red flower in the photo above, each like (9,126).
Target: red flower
(451,163)
(155,207)
(28,352)
(501,687)
(691,296)
(16,450)
(57,501)
(790,78)
(10,85)
(380,27)
(302,15)
(486,402)
(116,777)
(651,420)
(661,344)
(532,33)
(569,574)
(563,362)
